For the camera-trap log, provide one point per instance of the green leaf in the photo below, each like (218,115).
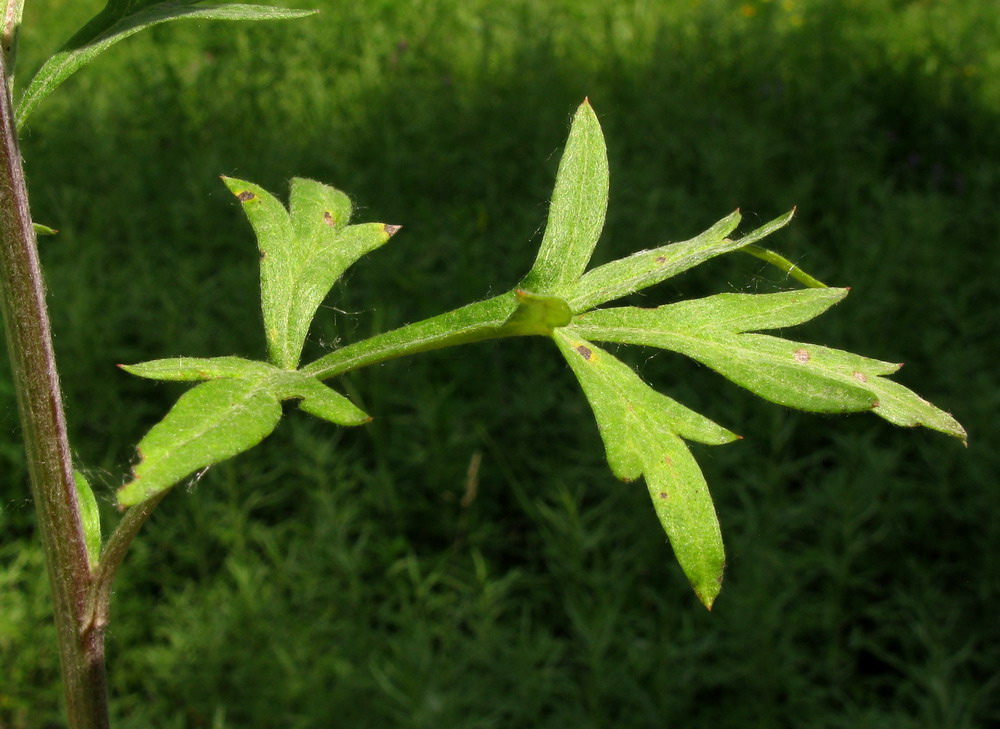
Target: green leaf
(576,214)
(303,255)
(90,516)
(800,375)
(317,399)
(209,423)
(642,432)
(185,369)
(120,19)
(43,229)
(901,406)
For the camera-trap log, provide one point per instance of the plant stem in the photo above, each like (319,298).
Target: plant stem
(43,423)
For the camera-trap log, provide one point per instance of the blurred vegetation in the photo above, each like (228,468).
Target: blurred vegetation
(467,560)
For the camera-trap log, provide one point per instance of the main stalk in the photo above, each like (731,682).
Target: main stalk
(43,426)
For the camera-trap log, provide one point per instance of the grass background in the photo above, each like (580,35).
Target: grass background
(347,577)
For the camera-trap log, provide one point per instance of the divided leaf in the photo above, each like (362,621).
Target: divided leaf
(302,255)
(234,411)
(120,19)
(713,330)
(576,213)
(642,431)
(627,275)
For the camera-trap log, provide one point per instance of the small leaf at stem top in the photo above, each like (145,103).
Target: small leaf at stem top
(576,213)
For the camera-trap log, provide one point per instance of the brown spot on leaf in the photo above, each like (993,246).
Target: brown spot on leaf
(245,196)
(801,355)
(328,218)
(584,352)
(391,230)
(860,376)
(661,259)
(663,495)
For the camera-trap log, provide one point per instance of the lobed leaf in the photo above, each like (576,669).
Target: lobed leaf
(576,213)
(120,19)
(642,432)
(646,268)
(800,375)
(302,255)
(209,423)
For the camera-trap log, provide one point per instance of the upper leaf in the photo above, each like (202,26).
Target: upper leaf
(576,213)
(117,21)
(302,255)
(806,376)
(642,432)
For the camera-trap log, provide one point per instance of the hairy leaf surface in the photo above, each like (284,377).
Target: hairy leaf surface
(302,255)
(209,423)
(642,432)
(576,214)
(714,331)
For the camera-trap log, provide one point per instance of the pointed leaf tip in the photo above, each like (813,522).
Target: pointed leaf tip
(391,230)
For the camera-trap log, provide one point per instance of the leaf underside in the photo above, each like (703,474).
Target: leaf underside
(307,247)
(642,431)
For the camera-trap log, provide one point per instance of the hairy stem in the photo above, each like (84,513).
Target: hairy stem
(43,424)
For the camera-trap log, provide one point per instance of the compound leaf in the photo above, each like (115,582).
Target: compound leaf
(120,19)
(627,275)
(209,423)
(302,255)
(642,432)
(576,213)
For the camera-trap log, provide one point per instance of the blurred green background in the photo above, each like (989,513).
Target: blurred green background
(467,560)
